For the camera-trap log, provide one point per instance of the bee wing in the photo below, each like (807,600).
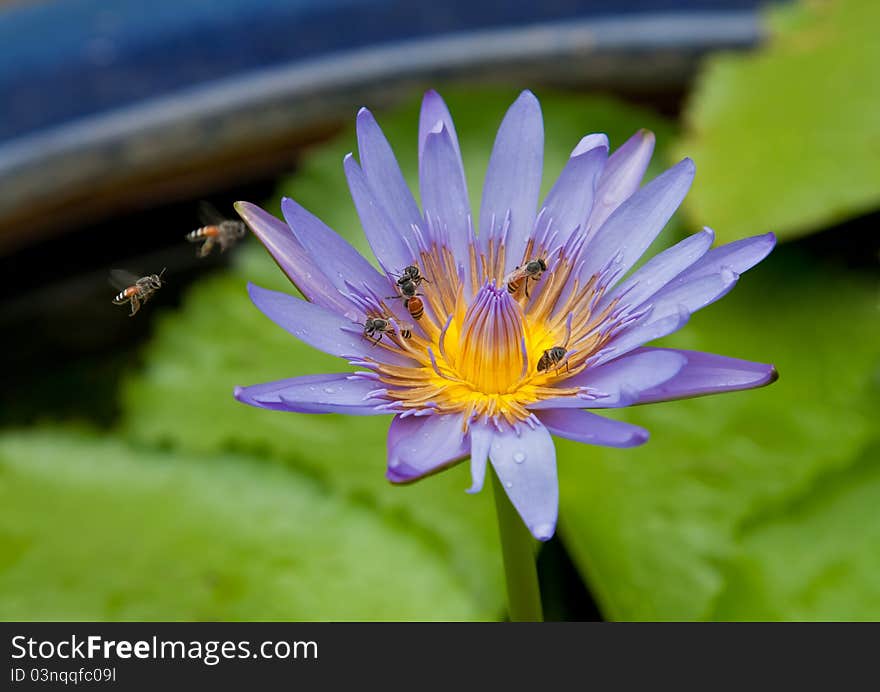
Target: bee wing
(517,273)
(120,278)
(208,214)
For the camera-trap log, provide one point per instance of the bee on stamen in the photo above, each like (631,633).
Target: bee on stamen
(381,326)
(410,274)
(552,357)
(520,277)
(135,291)
(411,300)
(216,230)
(377,325)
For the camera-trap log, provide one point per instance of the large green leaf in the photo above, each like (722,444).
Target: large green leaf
(182,397)
(91,529)
(756,504)
(787,138)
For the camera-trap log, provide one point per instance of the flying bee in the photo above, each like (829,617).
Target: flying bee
(410,274)
(135,291)
(552,357)
(520,277)
(216,230)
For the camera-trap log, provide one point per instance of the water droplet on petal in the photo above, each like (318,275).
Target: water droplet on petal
(509,484)
(519,457)
(329,390)
(313,388)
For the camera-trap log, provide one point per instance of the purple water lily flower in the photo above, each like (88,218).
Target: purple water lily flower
(484,345)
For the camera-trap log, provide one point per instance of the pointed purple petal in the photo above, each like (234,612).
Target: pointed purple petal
(583,426)
(513,179)
(642,332)
(383,174)
(481,438)
(434,111)
(693,294)
(622,176)
(708,373)
(320,328)
(385,239)
(622,380)
(525,461)
(444,191)
(570,200)
(336,257)
(739,256)
(421,445)
(661,269)
(635,224)
(337,393)
(292,257)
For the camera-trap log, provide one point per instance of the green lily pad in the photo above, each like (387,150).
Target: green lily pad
(123,534)
(753,504)
(787,138)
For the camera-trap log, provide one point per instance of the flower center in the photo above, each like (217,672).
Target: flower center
(511,345)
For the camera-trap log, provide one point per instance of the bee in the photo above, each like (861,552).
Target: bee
(521,276)
(410,274)
(552,357)
(411,300)
(380,326)
(216,230)
(415,306)
(135,291)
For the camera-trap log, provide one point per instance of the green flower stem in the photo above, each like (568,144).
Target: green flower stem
(518,548)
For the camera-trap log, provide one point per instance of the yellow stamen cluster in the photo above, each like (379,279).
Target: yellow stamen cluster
(481,358)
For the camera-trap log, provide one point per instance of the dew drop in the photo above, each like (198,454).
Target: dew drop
(313,388)
(509,484)
(519,457)
(329,390)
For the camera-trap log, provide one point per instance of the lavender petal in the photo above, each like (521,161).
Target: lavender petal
(708,373)
(325,330)
(419,446)
(589,428)
(383,174)
(660,270)
(444,190)
(570,200)
(622,176)
(386,240)
(513,179)
(434,111)
(621,381)
(635,224)
(336,393)
(292,257)
(339,261)
(739,256)
(525,461)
